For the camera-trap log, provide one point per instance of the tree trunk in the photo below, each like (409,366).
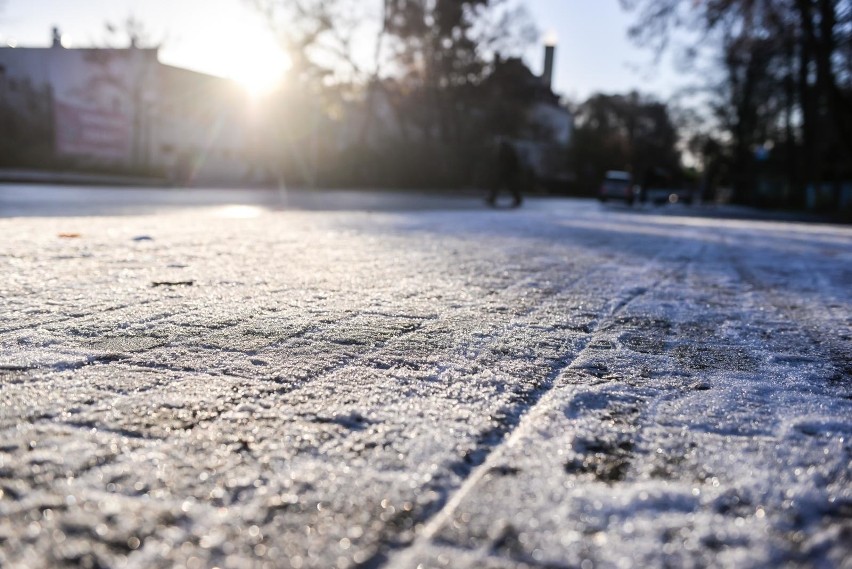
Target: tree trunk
(810,121)
(795,193)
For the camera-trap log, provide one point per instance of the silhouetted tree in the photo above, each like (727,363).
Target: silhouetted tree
(623,132)
(27,124)
(440,50)
(786,81)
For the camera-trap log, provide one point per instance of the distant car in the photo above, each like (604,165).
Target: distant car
(617,185)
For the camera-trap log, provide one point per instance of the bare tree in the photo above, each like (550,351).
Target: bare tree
(130,32)
(786,78)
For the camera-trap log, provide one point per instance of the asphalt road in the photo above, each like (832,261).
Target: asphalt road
(245,384)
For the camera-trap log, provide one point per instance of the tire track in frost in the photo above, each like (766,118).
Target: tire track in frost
(475,465)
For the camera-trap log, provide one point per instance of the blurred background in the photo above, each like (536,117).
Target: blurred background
(743,101)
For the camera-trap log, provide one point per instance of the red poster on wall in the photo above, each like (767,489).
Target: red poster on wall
(83,131)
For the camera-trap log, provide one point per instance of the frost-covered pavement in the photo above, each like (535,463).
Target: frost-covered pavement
(560,386)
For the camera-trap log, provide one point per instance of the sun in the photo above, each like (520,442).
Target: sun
(256,65)
(260,68)
(241,48)
(231,42)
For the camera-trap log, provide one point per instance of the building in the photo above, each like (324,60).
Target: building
(547,126)
(123,110)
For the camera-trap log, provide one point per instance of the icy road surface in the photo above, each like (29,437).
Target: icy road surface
(560,386)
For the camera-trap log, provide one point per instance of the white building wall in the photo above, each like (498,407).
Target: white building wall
(121,106)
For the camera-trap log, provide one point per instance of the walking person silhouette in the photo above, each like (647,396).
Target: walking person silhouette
(508,174)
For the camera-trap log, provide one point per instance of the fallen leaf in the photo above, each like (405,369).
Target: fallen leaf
(172,283)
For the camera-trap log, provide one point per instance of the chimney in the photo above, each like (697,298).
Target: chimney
(549,56)
(549,52)
(57,37)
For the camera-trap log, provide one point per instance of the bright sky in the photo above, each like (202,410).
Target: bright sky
(221,36)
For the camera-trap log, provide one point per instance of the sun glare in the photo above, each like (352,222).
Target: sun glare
(260,69)
(243,50)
